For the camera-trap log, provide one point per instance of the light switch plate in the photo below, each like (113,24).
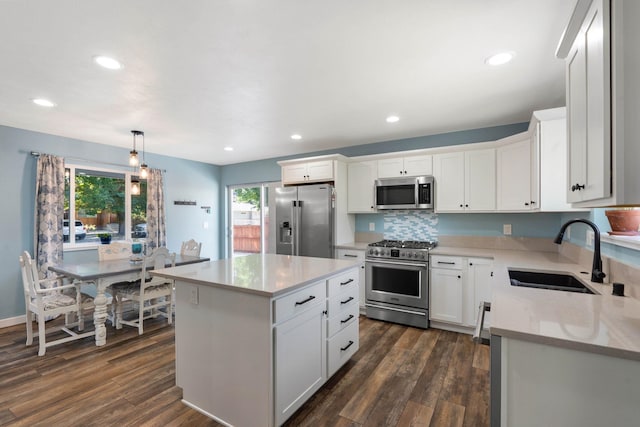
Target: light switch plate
(506,229)
(589,238)
(372,226)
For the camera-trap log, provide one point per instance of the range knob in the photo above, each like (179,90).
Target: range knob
(409,254)
(370,251)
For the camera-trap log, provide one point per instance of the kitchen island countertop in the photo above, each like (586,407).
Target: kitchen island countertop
(263,274)
(600,323)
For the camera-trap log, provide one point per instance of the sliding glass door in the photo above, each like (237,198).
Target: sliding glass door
(249,220)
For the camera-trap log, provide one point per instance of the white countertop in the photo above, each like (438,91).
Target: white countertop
(600,323)
(267,274)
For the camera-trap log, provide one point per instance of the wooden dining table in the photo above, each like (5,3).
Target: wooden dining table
(105,273)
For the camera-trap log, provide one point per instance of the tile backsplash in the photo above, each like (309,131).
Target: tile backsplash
(410,225)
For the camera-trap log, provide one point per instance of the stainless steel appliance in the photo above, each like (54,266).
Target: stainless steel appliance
(305,220)
(397,281)
(411,192)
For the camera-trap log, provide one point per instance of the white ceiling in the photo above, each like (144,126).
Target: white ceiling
(200,75)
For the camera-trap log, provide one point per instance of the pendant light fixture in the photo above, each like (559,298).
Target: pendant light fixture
(134,161)
(144,169)
(133,154)
(135,185)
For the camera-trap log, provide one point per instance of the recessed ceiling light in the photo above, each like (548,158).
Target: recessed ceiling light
(296,137)
(107,62)
(43,102)
(392,119)
(499,58)
(228,148)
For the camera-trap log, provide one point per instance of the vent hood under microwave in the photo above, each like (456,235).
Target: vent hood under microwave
(409,192)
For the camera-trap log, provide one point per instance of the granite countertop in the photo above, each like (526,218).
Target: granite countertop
(269,274)
(600,323)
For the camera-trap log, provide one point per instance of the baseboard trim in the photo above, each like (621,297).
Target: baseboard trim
(12,321)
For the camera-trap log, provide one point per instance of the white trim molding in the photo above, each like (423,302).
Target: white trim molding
(12,321)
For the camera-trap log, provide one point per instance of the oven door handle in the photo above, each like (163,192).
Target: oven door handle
(396,309)
(409,264)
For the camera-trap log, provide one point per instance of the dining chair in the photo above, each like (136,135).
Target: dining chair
(190,248)
(114,250)
(51,297)
(155,291)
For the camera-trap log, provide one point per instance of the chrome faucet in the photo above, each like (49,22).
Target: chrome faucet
(597,275)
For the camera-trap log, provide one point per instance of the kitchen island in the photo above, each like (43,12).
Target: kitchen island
(256,336)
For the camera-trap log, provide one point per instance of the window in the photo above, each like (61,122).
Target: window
(99,203)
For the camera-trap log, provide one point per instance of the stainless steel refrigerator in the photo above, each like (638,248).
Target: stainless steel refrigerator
(305,220)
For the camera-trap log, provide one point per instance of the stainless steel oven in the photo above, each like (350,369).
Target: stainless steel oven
(397,282)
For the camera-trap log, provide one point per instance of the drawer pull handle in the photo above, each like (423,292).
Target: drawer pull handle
(351,256)
(446,262)
(347,300)
(348,345)
(306,300)
(347,319)
(346,283)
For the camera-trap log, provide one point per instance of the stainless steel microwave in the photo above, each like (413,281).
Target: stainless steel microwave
(410,192)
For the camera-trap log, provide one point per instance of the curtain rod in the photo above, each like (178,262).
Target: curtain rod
(80,159)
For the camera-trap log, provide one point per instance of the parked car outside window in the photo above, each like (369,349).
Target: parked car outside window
(81,233)
(139,231)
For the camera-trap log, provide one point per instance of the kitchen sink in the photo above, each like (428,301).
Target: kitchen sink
(553,281)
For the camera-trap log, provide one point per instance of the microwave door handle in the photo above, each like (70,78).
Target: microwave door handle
(416,194)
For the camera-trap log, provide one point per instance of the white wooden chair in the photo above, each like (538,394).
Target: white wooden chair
(156,291)
(114,250)
(46,297)
(190,248)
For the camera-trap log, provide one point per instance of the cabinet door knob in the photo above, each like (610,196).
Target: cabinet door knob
(526,204)
(459,277)
(461,205)
(466,206)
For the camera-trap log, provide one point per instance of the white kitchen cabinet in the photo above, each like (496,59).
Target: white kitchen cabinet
(300,362)
(405,166)
(480,280)
(514,183)
(359,255)
(602,64)
(588,95)
(360,178)
(458,285)
(342,319)
(446,289)
(465,181)
(307,172)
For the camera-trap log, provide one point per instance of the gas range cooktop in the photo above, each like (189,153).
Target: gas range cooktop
(401,249)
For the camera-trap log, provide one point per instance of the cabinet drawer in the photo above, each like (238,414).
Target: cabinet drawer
(341,347)
(343,282)
(299,301)
(342,320)
(343,302)
(352,254)
(449,262)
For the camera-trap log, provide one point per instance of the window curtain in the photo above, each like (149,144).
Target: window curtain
(49,212)
(156,230)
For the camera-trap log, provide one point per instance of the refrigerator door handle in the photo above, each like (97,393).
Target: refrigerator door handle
(296,215)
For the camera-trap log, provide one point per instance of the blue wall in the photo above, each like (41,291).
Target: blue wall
(184,180)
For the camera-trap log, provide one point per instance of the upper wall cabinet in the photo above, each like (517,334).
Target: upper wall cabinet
(360,178)
(405,166)
(307,172)
(465,181)
(603,102)
(515,178)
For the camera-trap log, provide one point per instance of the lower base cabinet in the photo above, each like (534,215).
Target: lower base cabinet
(300,368)
(457,288)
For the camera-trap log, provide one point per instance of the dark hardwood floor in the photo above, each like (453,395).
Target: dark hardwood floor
(401,376)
